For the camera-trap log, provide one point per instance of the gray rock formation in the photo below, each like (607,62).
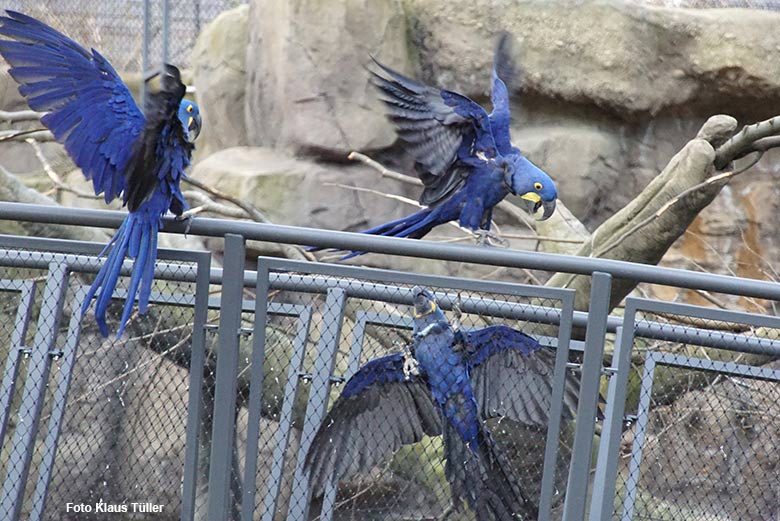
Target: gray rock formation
(305,61)
(219,59)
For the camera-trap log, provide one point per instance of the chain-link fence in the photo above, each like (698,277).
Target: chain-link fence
(116,27)
(703,440)
(280,390)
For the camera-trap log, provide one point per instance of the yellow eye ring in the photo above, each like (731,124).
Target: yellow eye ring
(189,108)
(537,186)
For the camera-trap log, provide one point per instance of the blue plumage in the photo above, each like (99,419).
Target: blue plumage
(463,155)
(456,380)
(124,152)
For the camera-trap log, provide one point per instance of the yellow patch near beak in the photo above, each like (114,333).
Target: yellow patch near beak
(189,122)
(531,196)
(427,312)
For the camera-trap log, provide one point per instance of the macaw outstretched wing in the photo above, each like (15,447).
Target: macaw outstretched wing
(378,412)
(512,376)
(438,125)
(89,109)
(504,72)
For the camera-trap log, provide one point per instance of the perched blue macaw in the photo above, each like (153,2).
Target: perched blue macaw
(140,156)
(447,385)
(463,155)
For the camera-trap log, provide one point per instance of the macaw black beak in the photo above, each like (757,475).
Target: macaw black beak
(549,209)
(532,202)
(193,127)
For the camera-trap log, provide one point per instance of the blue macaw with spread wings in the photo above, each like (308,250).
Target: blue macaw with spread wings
(138,155)
(463,155)
(449,383)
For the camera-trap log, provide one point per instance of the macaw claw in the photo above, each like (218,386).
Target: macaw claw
(411,365)
(488,238)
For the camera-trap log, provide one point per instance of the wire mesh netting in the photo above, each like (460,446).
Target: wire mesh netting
(113,411)
(704,444)
(116,27)
(383,478)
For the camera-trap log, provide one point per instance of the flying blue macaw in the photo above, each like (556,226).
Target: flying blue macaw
(447,385)
(138,155)
(463,155)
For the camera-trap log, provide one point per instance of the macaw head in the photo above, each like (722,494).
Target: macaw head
(424,302)
(428,316)
(530,183)
(189,115)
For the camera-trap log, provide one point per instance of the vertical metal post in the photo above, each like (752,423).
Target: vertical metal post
(556,408)
(327,349)
(640,429)
(603,497)
(145,50)
(598,311)
(255,392)
(166,32)
(286,417)
(59,401)
(197,361)
(224,428)
(34,392)
(11,371)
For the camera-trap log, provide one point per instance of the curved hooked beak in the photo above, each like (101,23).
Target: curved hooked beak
(533,202)
(193,127)
(424,303)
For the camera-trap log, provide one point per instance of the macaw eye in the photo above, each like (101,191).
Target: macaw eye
(537,186)
(189,109)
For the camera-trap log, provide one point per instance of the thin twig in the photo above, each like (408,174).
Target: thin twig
(289,250)
(39,134)
(384,171)
(20,115)
(54,176)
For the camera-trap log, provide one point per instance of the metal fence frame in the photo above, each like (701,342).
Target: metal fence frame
(318,277)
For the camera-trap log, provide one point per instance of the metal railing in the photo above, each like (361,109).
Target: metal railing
(257,364)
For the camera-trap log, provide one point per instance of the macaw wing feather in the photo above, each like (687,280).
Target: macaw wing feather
(89,109)
(162,126)
(378,412)
(504,73)
(512,376)
(439,127)
(431,128)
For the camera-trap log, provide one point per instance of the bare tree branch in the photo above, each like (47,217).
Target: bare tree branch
(741,144)
(54,176)
(249,211)
(20,115)
(38,134)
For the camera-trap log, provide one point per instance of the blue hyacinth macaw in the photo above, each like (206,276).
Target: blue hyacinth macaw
(140,156)
(447,385)
(463,155)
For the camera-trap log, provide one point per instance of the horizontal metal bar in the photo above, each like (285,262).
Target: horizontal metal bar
(715,366)
(88,264)
(705,313)
(407,247)
(184,273)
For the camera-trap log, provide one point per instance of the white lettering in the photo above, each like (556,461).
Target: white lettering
(77,507)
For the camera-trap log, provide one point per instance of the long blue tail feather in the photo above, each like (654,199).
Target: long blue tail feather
(412,226)
(135,239)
